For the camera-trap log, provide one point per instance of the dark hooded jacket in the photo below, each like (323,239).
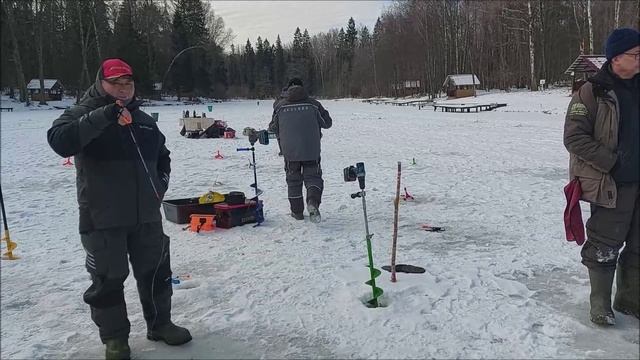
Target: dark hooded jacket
(113,187)
(297,122)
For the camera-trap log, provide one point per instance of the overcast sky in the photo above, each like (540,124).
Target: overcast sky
(267,19)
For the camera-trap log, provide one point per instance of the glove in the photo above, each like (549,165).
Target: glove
(118,112)
(112,111)
(124,116)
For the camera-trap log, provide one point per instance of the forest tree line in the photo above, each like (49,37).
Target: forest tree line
(505,43)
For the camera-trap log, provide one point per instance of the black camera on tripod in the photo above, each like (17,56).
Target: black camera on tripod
(352,173)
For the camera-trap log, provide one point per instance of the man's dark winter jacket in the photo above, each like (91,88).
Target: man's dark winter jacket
(297,121)
(113,188)
(627,168)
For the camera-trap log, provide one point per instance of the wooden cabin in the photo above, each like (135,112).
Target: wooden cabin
(53,90)
(460,85)
(407,87)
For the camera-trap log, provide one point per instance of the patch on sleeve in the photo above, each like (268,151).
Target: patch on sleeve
(578,109)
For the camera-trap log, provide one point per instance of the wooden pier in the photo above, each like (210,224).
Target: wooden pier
(420,103)
(467,108)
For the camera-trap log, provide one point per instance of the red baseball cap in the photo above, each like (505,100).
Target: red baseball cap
(115,68)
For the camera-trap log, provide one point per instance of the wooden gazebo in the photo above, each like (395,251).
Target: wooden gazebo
(584,66)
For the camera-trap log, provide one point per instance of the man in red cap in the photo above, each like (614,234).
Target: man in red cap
(601,133)
(122,174)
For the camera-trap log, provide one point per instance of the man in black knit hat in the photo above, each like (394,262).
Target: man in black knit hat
(602,135)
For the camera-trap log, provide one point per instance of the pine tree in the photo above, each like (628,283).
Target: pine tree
(365,38)
(191,73)
(296,66)
(341,70)
(150,31)
(279,65)
(267,69)
(249,67)
(377,32)
(129,44)
(261,76)
(309,68)
(350,40)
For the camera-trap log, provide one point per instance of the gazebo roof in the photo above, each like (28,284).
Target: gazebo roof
(462,79)
(35,83)
(586,64)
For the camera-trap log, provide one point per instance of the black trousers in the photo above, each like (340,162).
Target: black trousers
(309,174)
(609,229)
(108,253)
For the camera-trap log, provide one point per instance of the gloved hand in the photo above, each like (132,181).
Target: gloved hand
(118,113)
(124,116)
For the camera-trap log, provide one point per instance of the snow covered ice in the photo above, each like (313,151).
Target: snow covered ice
(500,282)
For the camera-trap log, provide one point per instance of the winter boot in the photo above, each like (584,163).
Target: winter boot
(601,282)
(314,196)
(314,213)
(117,349)
(627,296)
(170,333)
(297,207)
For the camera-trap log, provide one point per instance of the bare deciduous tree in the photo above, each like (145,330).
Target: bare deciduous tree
(39,21)
(8,7)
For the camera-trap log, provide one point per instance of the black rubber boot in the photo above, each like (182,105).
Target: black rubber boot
(297,208)
(170,333)
(627,299)
(314,196)
(600,298)
(314,213)
(117,349)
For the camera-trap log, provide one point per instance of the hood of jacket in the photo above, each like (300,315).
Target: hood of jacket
(296,93)
(603,78)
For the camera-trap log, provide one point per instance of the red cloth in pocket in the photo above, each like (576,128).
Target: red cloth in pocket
(573,225)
